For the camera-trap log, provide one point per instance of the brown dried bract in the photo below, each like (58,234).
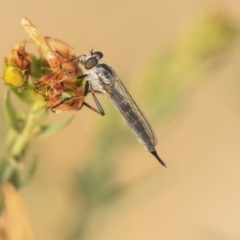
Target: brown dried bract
(54,85)
(74,101)
(41,43)
(18,57)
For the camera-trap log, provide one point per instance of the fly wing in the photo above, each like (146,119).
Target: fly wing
(135,118)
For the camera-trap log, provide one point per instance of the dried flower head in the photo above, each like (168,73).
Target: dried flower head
(60,88)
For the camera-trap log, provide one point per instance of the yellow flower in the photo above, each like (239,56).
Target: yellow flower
(14,76)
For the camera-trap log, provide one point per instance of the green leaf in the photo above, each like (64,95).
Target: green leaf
(11,113)
(9,172)
(24,95)
(30,173)
(47,130)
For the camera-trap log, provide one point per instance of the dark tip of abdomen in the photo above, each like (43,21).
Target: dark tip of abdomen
(154,153)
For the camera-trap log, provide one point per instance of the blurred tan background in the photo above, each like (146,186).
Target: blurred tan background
(198,195)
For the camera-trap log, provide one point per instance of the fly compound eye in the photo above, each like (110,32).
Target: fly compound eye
(97,55)
(91,62)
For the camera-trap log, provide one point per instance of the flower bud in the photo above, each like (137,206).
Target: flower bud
(18,66)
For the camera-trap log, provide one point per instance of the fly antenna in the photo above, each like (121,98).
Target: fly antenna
(70,60)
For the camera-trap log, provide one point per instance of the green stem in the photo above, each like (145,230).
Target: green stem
(23,139)
(12,161)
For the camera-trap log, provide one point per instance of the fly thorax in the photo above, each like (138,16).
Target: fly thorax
(96,82)
(106,74)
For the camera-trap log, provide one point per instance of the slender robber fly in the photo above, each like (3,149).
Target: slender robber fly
(102,78)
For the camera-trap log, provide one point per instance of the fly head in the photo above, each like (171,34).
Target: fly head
(91,61)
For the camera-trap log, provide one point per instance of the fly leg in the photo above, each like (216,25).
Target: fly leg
(99,106)
(88,88)
(100,110)
(69,99)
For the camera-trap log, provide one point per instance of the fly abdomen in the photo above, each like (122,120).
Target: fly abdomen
(132,118)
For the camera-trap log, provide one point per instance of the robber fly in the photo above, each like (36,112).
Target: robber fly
(60,88)
(103,78)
